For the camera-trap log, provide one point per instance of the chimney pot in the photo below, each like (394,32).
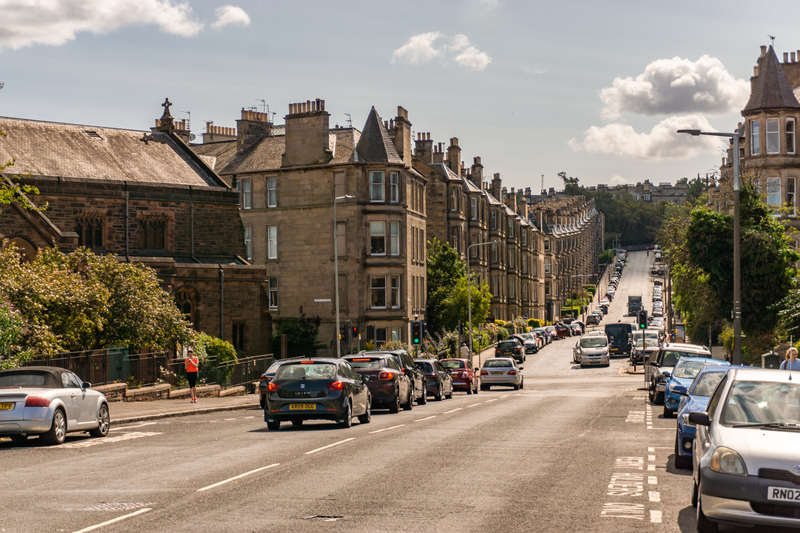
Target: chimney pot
(763,50)
(786,57)
(792,57)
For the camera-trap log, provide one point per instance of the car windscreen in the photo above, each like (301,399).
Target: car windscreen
(594,342)
(449,363)
(495,363)
(706,383)
(758,402)
(687,369)
(29,379)
(671,358)
(425,367)
(306,371)
(367,362)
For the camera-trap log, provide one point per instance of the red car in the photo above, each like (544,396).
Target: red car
(464,376)
(562,331)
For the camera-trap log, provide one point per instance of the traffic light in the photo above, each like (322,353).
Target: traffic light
(343,334)
(416,332)
(354,330)
(642,318)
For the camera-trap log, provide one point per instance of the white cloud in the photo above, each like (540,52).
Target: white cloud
(617,180)
(420,49)
(55,22)
(661,143)
(677,86)
(230,15)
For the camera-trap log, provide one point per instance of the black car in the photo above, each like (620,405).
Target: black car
(440,384)
(511,347)
(407,366)
(388,385)
(263,381)
(317,389)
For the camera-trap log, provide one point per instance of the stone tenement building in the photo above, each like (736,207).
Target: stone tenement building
(651,193)
(768,140)
(143,197)
(289,178)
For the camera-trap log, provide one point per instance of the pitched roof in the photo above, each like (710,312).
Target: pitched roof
(266,153)
(375,146)
(771,88)
(96,153)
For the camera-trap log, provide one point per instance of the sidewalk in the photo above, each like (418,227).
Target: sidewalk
(127,412)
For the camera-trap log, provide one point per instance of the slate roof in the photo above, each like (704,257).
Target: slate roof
(97,153)
(375,146)
(771,89)
(266,154)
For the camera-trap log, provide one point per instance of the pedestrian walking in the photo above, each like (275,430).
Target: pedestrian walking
(791,362)
(192,368)
(464,350)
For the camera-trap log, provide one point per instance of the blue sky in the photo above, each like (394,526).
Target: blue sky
(595,89)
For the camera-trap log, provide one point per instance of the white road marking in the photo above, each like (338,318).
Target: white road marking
(651,449)
(487,401)
(334,444)
(423,419)
(131,427)
(230,419)
(119,518)
(634,511)
(654,496)
(237,477)
(625,484)
(637,463)
(385,429)
(652,480)
(473,405)
(453,411)
(249,417)
(655,517)
(651,468)
(651,458)
(505,396)
(88,443)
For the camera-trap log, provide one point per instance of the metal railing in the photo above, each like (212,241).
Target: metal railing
(226,374)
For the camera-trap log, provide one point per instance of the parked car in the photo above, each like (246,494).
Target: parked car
(562,331)
(406,364)
(695,399)
(744,457)
(388,385)
(511,347)
(263,381)
(317,389)
(545,334)
(440,384)
(661,362)
(551,331)
(681,378)
(529,341)
(594,318)
(501,371)
(576,329)
(49,402)
(540,338)
(463,374)
(591,350)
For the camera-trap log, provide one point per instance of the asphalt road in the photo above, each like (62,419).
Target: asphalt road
(575,450)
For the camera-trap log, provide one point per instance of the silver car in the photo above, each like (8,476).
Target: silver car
(591,350)
(501,371)
(50,402)
(745,459)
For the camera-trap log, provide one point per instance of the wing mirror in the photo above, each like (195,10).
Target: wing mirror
(680,390)
(86,385)
(364,379)
(700,418)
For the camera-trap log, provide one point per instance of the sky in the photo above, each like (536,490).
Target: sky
(593,89)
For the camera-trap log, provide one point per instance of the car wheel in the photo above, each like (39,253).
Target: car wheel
(694,493)
(58,430)
(410,403)
(522,384)
(262,401)
(704,525)
(439,396)
(423,399)
(651,393)
(19,440)
(274,425)
(104,423)
(667,412)
(683,462)
(297,422)
(516,387)
(449,396)
(477,388)
(394,407)
(659,398)
(484,387)
(347,421)
(366,418)
(469,389)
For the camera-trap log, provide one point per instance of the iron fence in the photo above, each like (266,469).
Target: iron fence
(227,374)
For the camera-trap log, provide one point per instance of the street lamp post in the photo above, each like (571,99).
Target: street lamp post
(736,358)
(336,271)
(583,313)
(469,294)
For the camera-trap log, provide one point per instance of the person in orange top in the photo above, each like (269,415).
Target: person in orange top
(192,368)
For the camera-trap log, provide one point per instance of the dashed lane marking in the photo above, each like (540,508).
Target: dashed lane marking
(423,419)
(505,396)
(453,411)
(654,496)
(652,480)
(248,417)
(132,427)
(112,521)
(651,468)
(655,517)
(473,405)
(337,443)
(238,477)
(494,400)
(651,458)
(386,429)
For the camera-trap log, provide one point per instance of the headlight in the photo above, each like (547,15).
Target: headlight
(685,421)
(726,461)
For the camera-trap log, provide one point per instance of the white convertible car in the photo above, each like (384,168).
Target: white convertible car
(50,402)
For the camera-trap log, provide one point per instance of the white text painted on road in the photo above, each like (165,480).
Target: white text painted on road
(626,484)
(633,511)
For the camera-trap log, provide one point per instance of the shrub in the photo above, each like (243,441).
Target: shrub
(500,323)
(214,354)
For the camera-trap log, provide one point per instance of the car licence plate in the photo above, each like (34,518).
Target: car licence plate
(6,406)
(301,406)
(498,373)
(782,494)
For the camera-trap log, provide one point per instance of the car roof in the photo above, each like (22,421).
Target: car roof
(382,352)
(595,333)
(708,360)
(681,347)
(426,360)
(745,373)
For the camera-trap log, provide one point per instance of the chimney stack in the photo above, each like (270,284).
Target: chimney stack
(402,135)
(497,185)
(423,148)
(252,127)
(307,134)
(454,156)
(477,172)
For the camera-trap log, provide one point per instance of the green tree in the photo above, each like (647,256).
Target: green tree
(444,270)
(456,305)
(697,189)
(571,185)
(302,336)
(12,328)
(214,354)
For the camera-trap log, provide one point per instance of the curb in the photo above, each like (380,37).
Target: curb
(145,418)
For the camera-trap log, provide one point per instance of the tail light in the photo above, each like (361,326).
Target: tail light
(272,387)
(386,375)
(263,378)
(336,385)
(516,350)
(36,401)
(484,373)
(512,373)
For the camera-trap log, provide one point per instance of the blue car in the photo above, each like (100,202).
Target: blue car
(695,399)
(680,379)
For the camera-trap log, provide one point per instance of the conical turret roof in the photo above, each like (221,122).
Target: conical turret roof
(375,146)
(771,88)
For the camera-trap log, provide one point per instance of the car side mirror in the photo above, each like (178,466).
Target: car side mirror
(700,418)
(405,371)
(364,379)
(86,385)
(521,367)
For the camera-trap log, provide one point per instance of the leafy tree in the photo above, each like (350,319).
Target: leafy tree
(213,353)
(444,270)
(455,306)
(571,187)
(12,333)
(697,189)
(303,336)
